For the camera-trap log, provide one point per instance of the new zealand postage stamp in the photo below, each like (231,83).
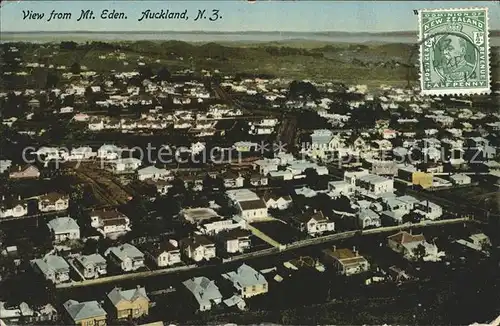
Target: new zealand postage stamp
(454,51)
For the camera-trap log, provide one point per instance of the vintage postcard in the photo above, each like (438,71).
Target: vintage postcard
(454,51)
(249,162)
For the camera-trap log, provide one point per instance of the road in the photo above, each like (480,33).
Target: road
(261,253)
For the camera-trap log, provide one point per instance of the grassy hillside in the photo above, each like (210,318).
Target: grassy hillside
(353,63)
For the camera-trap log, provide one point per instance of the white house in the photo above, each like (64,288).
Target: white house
(198,248)
(153,173)
(53,201)
(250,206)
(368,218)
(460,179)
(205,292)
(128,257)
(247,281)
(165,253)
(314,224)
(53,268)
(109,223)
(277,202)
(15,208)
(109,152)
(429,210)
(91,266)
(64,228)
(235,241)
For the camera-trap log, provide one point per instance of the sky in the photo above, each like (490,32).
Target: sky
(237,15)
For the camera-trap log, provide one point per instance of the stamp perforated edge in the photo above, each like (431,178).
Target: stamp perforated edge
(455,92)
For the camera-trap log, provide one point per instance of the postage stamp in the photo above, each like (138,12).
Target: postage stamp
(454,51)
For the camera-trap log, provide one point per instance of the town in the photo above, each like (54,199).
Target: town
(134,193)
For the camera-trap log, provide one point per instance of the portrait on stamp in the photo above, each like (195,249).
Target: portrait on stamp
(454,51)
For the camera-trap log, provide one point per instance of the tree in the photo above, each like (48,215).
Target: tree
(163,74)
(419,252)
(75,68)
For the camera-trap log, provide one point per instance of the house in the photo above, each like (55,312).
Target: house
(460,179)
(53,201)
(109,222)
(129,304)
(429,210)
(341,187)
(128,257)
(247,281)
(250,206)
(212,227)
(346,262)
(5,165)
(123,165)
(165,253)
(406,243)
(275,201)
(13,208)
(64,228)
(374,184)
(232,180)
(235,241)
(153,173)
(91,266)
(52,267)
(24,172)
(198,248)
(109,152)
(199,214)
(368,218)
(314,223)
(161,186)
(14,313)
(246,146)
(205,292)
(85,313)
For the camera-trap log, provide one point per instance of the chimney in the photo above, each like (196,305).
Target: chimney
(354,249)
(334,248)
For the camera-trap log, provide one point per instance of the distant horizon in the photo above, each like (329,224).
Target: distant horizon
(218,32)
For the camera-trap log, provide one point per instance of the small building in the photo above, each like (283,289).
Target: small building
(165,253)
(235,240)
(247,281)
(91,266)
(275,201)
(24,172)
(198,248)
(406,243)
(53,268)
(205,292)
(429,210)
(460,179)
(85,313)
(13,208)
(199,214)
(152,173)
(64,228)
(53,201)
(129,304)
(368,218)
(347,262)
(314,223)
(109,222)
(128,257)
(250,206)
